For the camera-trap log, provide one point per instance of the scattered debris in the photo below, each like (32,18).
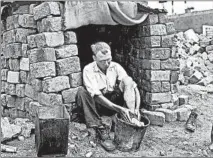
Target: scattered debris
(195,53)
(26,125)
(7,148)
(89,154)
(162,153)
(92,144)
(9,131)
(21,138)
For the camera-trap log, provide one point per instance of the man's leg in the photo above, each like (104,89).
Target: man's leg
(87,103)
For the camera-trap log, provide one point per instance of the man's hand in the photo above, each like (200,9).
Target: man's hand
(125,114)
(137,112)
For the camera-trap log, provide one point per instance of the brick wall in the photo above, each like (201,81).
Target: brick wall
(41,62)
(148,52)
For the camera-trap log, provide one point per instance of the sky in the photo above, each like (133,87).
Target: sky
(179,6)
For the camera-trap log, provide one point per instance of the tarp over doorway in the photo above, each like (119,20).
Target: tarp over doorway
(80,13)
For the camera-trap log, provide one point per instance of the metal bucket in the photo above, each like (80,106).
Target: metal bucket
(128,137)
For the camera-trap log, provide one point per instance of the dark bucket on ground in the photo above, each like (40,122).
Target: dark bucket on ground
(128,137)
(51,131)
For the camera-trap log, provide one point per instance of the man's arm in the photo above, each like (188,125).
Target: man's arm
(138,99)
(108,104)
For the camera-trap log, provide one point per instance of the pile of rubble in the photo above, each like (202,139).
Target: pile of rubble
(196,58)
(20,128)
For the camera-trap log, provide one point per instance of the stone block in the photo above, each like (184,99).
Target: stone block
(27,103)
(31,41)
(182,114)
(56,84)
(8,37)
(204,43)
(70,37)
(24,64)
(20,90)
(66,51)
(174,76)
(210,57)
(170,64)
(26,21)
(151,86)
(13,50)
(154,30)
(3,86)
(45,9)
(209,48)
(151,19)
(69,95)
(167,105)
(151,41)
(68,66)
(50,99)
(150,64)
(4,63)
(11,101)
(31,92)
(4,100)
(14,64)
(196,77)
(165,87)
(36,84)
(41,54)
(24,50)
(183,100)
(159,75)
(4,74)
(42,69)
(157,53)
(49,39)
(170,116)
(163,18)
(50,24)
(23,76)
(13,77)
(170,28)
(75,79)
(11,89)
(156,118)
(156,98)
(19,104)
(168,41)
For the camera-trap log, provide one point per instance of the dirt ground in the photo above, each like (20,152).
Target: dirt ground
(170,140)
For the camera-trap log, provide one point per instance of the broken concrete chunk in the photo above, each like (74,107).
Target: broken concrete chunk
(156,118)
(170,116)
(9,131)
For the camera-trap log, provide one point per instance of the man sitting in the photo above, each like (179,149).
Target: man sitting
(107,90)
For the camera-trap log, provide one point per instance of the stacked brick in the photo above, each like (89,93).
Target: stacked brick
(41,67)
(148,54)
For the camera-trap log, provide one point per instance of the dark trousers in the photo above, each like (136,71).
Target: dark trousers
(92,110)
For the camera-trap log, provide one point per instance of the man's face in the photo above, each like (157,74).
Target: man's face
(103,59)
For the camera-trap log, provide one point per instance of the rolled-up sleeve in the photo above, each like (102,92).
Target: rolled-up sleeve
(90,83)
